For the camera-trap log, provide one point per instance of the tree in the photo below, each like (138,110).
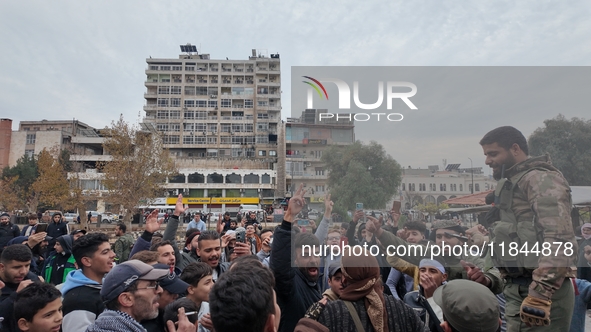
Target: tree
(361,173)
(567,142)
(51,185)
(431,208)
(139,165)
(17,184)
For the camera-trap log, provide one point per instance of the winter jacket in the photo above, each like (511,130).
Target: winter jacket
(82,302)
(295,293)
(7,232)
(577,324)
(7,303)
(122,247)
(56,230)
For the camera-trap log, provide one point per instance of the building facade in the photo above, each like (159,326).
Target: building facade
(306,140)
(221,121)
(422,186)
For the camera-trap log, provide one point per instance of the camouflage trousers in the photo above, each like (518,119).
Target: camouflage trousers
(561,312)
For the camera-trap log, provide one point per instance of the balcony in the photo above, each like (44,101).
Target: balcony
(80,157)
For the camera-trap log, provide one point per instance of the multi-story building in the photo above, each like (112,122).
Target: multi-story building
(5,138)
(306,139)
(422,186)
(34,136)
(221,121)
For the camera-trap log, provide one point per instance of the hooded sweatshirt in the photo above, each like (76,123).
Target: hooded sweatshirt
(82,302)
(115,321)
(58,265)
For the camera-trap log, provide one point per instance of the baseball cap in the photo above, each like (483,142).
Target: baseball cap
(76,231)
(468,306)
(333,268)
(171,282)
(123,275)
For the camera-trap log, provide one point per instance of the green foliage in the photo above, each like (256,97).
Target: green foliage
(17,185)
(568,142)
(361,173)
(432,208)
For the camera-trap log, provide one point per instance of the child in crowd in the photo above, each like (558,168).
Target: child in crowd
(38,308)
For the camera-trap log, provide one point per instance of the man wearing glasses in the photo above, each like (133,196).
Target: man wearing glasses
(131,292)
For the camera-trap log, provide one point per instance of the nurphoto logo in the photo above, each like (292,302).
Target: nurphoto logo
(344,98)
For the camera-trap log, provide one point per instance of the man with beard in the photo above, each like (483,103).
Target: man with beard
(131,292)
(188,257)
(56,228)
(297,288)
(8,230)
(209,250)
(534,202)
(15,274)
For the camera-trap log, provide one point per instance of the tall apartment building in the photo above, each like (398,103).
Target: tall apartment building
(306,139)
(220,119)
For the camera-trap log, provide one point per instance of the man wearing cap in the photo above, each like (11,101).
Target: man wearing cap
(8,230)
(172,288)
(467,307)
(78,233)
(448,235)
(130,292)
(56,228)
(432,275)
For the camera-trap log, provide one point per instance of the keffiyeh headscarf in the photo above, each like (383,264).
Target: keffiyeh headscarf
(362,274)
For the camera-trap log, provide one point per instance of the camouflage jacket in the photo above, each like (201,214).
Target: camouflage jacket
(543,195)
(416,252)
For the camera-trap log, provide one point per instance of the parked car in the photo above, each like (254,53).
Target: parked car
(71,217)
(109,218)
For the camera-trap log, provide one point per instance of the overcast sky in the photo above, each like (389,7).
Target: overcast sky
(86,60)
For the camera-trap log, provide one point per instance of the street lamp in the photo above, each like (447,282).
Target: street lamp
(472,172)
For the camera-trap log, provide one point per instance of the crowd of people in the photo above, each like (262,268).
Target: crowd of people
(241,277)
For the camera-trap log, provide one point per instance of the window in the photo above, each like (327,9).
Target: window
(189,115)
(262,126)
(212,103)
(202,91)
(189,90)
(272,153)
(200,115)
(189,68)
(175,90)
(262,103)
(175,114)
(177,68)
(174,127)
(31,138)
(188,139)
(422,187)
(226,103)
(477,187)
(201,103)
(164,67)
(470,187)
(461,187)
(442,187)
(153,67)
(320,189)
(212,140)
(163,90)
(162,127)
(162,115)
(248,103)
(403,187)
(175,102)
(212,127)
(29,153)
(226,128)
(262,139)
(170,139)
(262,153)
(162,102)
(189,103)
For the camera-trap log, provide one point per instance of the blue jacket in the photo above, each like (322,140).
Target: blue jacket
(82,302)
(577,324)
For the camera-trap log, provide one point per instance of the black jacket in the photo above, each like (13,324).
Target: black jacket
(7,303)
(295,294)
(56,230)
(7,233)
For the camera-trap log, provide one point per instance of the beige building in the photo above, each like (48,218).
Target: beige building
(422,186)
(306,139)
(221,120)
(34,136)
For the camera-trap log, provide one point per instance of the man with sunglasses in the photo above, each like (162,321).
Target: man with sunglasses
(130,292)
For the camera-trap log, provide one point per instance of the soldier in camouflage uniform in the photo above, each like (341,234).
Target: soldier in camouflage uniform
(466,266)
(534,203)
